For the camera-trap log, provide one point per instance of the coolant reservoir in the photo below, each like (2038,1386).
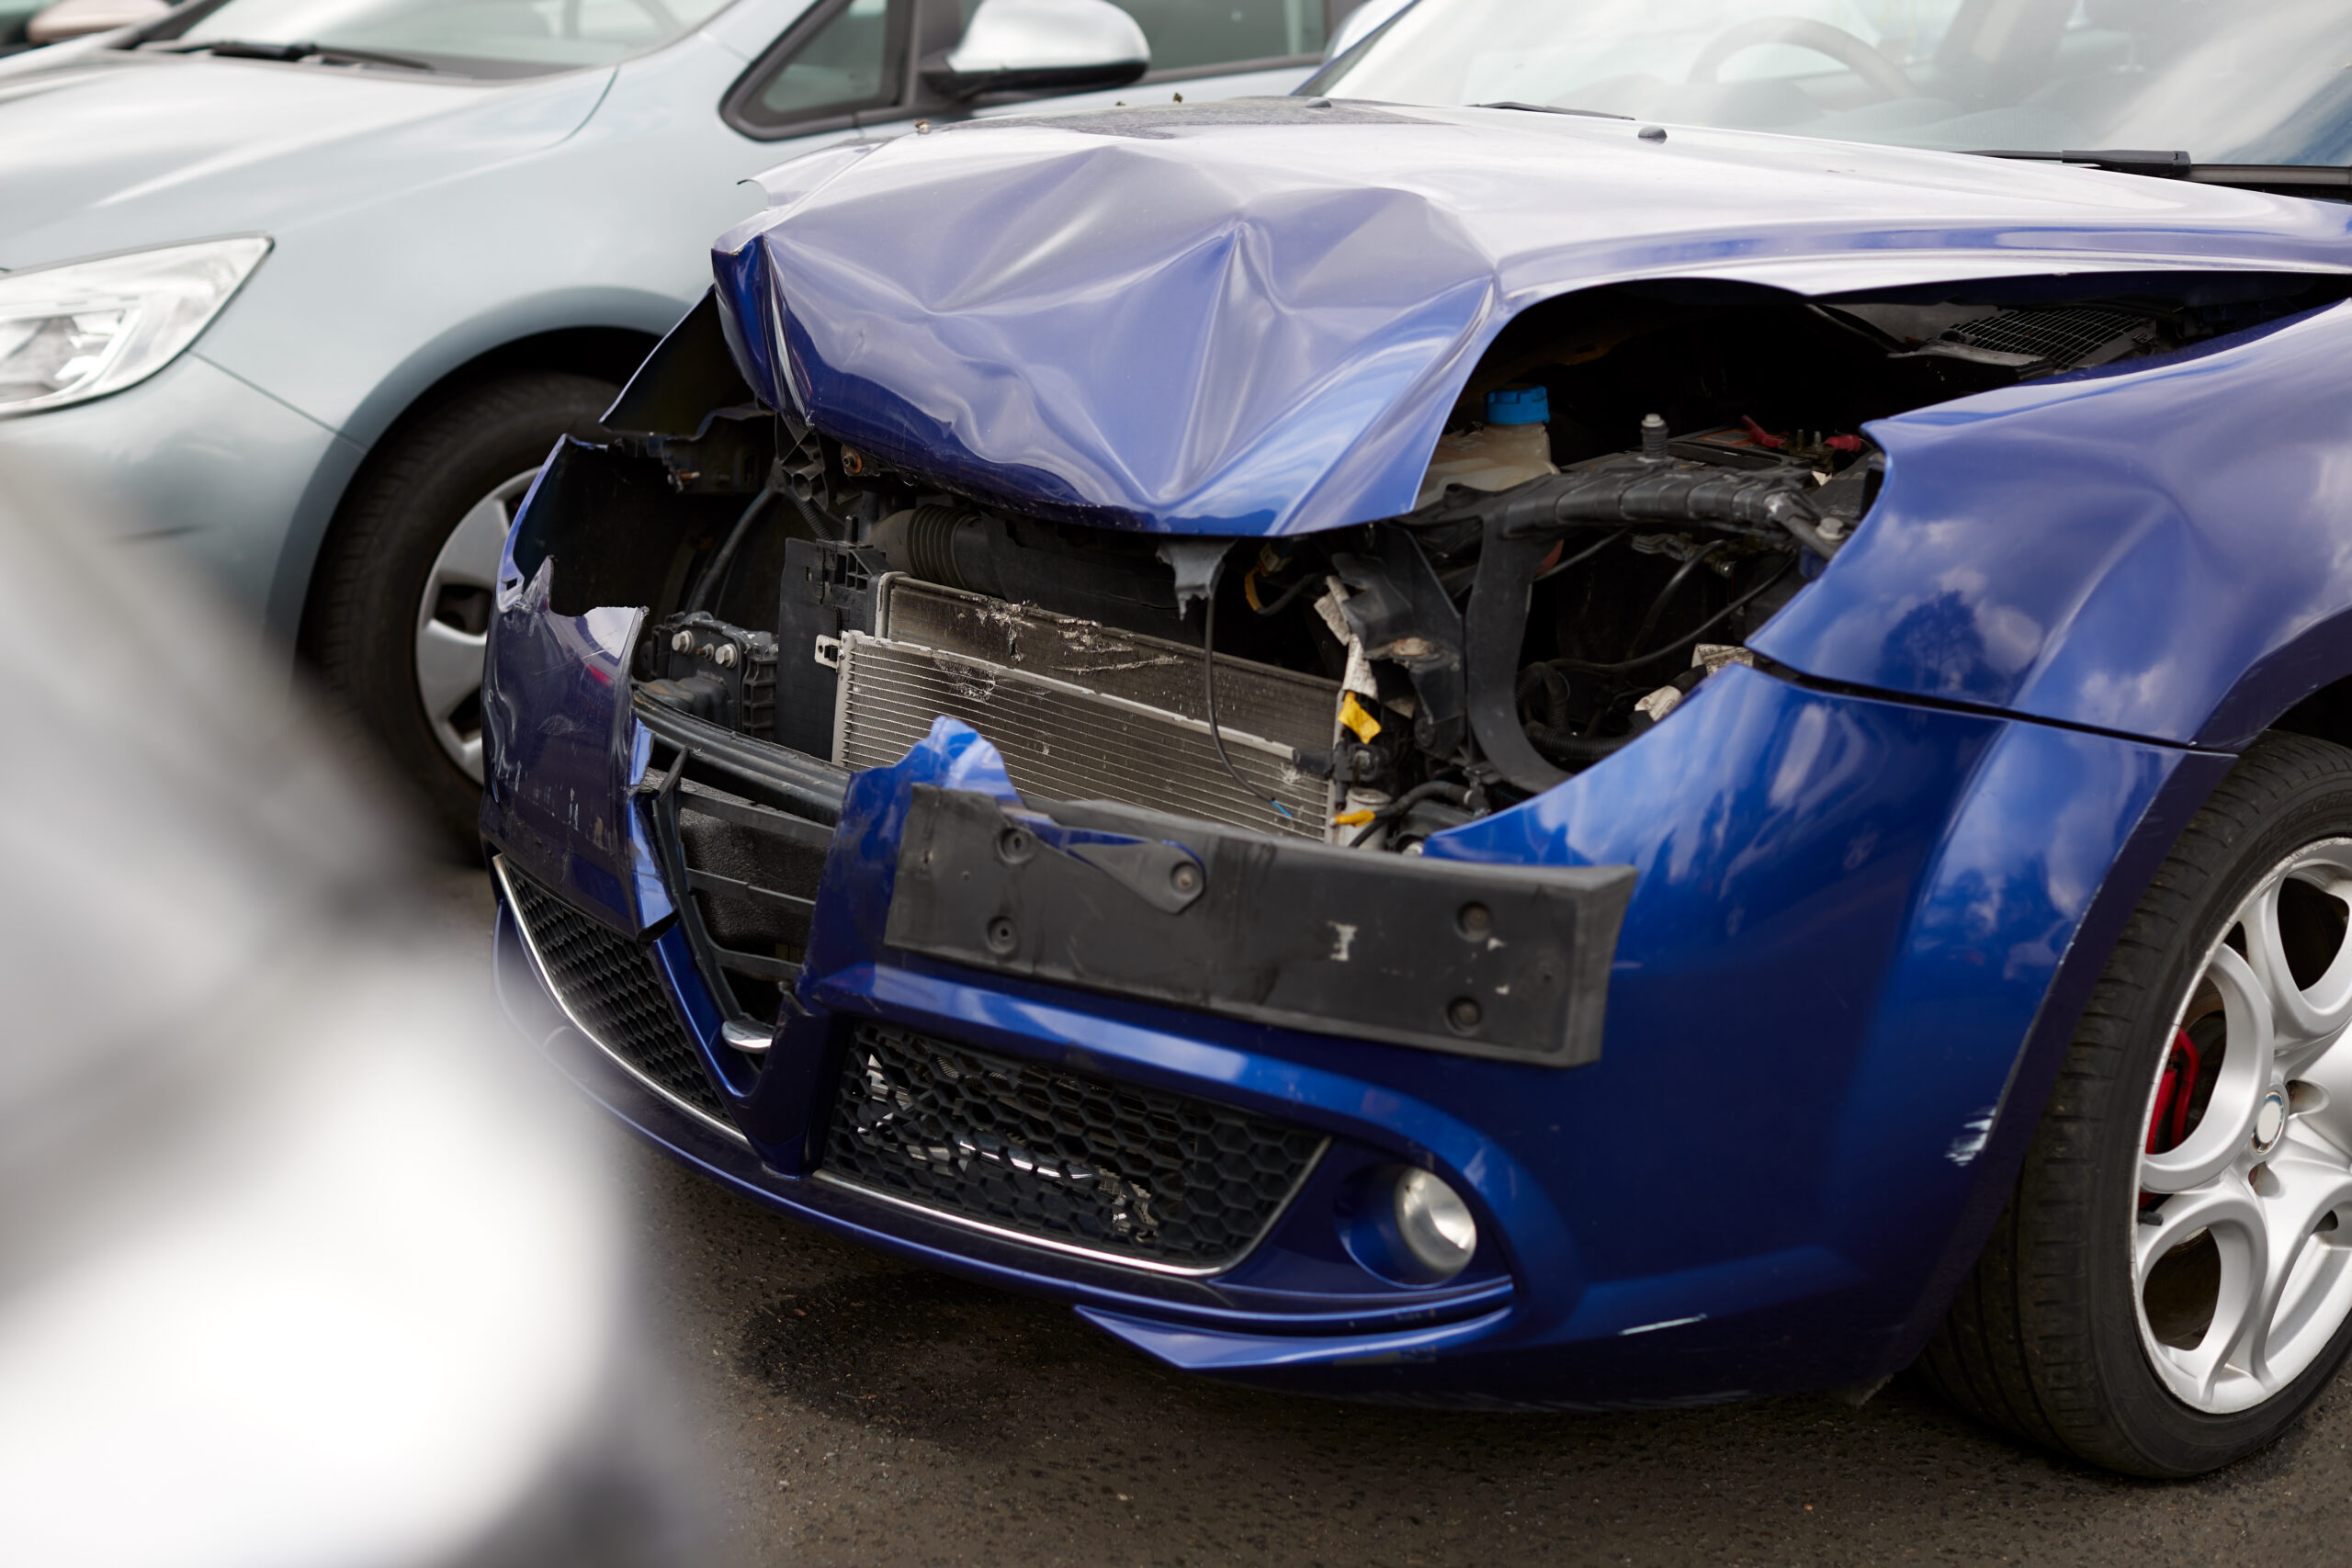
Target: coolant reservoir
(1514,446)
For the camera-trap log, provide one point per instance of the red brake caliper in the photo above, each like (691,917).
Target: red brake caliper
(2173,1091)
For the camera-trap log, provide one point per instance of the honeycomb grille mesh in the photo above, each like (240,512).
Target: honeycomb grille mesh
(1134,1174)
(611,986)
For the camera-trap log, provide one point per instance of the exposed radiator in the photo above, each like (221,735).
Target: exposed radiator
(1083,712)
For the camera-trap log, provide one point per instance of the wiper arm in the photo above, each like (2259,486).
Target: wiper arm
(2281,179)
(2284,179)
(1550,109)
(2114,160)
(289,54)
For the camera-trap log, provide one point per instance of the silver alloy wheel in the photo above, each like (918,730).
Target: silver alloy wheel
(2242,1246)
(453,622)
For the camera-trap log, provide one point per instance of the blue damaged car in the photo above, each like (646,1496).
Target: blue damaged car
(1640,704)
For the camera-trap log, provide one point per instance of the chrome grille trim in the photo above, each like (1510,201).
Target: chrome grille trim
(539,967)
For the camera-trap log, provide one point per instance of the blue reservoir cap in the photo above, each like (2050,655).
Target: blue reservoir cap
(1519,405)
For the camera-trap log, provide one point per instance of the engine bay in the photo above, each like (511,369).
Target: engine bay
(1633,481)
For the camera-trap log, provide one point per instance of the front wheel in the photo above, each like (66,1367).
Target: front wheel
(2171,1283)
(399,612)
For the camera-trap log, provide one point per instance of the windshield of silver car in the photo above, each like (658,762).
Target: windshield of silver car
(2225,81)
(509,36)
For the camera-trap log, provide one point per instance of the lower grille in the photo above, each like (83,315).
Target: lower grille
(1138,1175)
(1084,712)
(610,986)
(743,827)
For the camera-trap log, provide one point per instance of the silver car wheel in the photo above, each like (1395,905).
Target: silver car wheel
(453,622)
(2242,1245)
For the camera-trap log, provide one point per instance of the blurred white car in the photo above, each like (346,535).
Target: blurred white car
(277,1198)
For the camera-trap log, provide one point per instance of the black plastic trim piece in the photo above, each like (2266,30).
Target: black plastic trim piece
(797,784)
(1507,963)
(690,375)
(1494,632)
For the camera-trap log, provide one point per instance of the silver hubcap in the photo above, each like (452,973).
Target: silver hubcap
(453,622)
(2242,1247)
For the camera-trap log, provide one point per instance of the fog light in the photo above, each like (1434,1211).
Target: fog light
(1434,1224)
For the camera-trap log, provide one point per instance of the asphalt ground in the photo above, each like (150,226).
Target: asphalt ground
(842,1408)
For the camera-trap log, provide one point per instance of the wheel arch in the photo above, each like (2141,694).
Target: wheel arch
(607,350)
(2303,687)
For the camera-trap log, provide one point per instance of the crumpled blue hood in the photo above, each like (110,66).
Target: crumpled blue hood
(1253,317)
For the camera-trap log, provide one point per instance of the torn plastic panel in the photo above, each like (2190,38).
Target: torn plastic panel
(562,749)
(688,377)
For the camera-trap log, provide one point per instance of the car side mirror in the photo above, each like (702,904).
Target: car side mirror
(1029,45)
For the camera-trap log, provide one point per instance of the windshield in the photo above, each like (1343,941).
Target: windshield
(2225,81)
(483,37)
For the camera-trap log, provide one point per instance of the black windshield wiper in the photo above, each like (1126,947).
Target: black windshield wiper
(2284,179)
(2114,160)
(1550,109)
(289,54)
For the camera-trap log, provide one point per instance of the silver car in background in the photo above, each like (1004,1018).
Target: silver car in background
(308,288)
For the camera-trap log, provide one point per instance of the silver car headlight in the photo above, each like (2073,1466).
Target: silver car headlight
(81,330)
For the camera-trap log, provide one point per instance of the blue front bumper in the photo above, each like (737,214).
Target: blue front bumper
(1860,934)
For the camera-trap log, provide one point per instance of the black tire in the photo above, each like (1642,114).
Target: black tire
(360,627)
(2044,1340)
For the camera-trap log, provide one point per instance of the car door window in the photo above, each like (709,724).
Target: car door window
(1186,34)
(847,59)
(1190,34)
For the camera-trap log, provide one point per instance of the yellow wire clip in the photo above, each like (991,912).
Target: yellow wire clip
(1358,720)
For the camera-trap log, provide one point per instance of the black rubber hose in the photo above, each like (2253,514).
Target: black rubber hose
(1549,573)
(1288,595)
(1578,666)
(1494,629)
(1435,790)
(822,522)
(1632,495)
(1634,491)
(1665,595)
(1563,747)
(1551,734)
(708,584)
(1542,680)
